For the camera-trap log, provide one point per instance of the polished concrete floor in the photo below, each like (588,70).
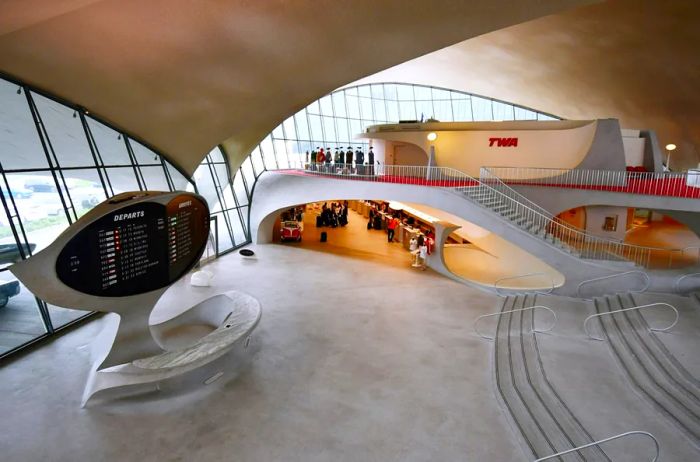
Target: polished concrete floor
(355,360)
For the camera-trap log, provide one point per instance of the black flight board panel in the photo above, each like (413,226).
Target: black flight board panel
(136,249)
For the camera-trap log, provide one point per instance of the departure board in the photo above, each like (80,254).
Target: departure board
(138,248)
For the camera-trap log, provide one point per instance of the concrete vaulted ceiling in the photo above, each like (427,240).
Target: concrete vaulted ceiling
(185,76)
(635,60)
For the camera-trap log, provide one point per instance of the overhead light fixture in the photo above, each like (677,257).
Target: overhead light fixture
(119,136)
(432,136)
(670,147)
(19,90)
(75,114)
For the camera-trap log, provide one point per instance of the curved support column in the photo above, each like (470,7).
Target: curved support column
(436,260)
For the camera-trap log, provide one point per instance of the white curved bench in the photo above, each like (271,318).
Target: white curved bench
(236,314)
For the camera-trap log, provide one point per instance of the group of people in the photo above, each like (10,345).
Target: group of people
(334,215)
(419,246)
(341,161)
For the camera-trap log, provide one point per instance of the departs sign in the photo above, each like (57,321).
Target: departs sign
(503,142)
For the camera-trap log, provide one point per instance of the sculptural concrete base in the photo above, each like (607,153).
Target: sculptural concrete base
(224,322)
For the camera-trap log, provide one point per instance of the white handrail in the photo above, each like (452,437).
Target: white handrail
(677,284)
(476,321)
(656,329)
(673,184)
(643,289)
(605,440)
(507,278)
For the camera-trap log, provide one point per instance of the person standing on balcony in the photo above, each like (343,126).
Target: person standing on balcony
(341,156)
(348,159)
(337,159)
(360,161)
(370,158)
(329,158)
(314,154)
(320,159)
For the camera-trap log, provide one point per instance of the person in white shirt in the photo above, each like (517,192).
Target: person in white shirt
(423,254)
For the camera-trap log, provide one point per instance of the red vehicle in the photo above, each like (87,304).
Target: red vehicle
(290,231)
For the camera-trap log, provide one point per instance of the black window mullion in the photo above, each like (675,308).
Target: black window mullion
(137,171)
(168,178)
(49,152)
(107,184)
(220,196)
(90,142)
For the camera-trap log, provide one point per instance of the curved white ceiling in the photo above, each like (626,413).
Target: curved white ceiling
(637,61)
(185,76)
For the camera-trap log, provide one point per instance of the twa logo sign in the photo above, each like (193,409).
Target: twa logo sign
(503,142)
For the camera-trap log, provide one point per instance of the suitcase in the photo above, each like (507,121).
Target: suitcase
(319,221)
(324,236)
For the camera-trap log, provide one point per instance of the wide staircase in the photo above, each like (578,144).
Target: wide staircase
(546,423)
(653,371)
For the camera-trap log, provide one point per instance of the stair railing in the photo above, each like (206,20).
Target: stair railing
(677,284)
(489,192)
(510,278)
(656,329)
(476,321)
(605,440)
(647,281)
(589,246)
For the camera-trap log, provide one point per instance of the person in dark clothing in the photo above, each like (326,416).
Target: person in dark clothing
(344,214)
(370,159)
(359,161)
(314,154)
(348,159)
(341,155)
(338,158)
(328,160)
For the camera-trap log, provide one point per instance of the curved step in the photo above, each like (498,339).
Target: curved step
(542,417)
(649,369)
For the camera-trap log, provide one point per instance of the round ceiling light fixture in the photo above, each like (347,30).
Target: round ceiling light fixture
(432,136)
(670,147)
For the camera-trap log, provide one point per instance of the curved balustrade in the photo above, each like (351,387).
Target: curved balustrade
(647,281)
(490,192)
(656,329)
(670,184)
(510,278)
(677,284)
(605,440)
(476,321)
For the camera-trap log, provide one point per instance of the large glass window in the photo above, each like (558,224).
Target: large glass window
(89,162)
(65,132)
(21,147)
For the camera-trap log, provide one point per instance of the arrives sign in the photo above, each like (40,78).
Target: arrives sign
(503,142)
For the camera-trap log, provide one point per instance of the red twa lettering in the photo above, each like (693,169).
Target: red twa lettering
(503,142)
